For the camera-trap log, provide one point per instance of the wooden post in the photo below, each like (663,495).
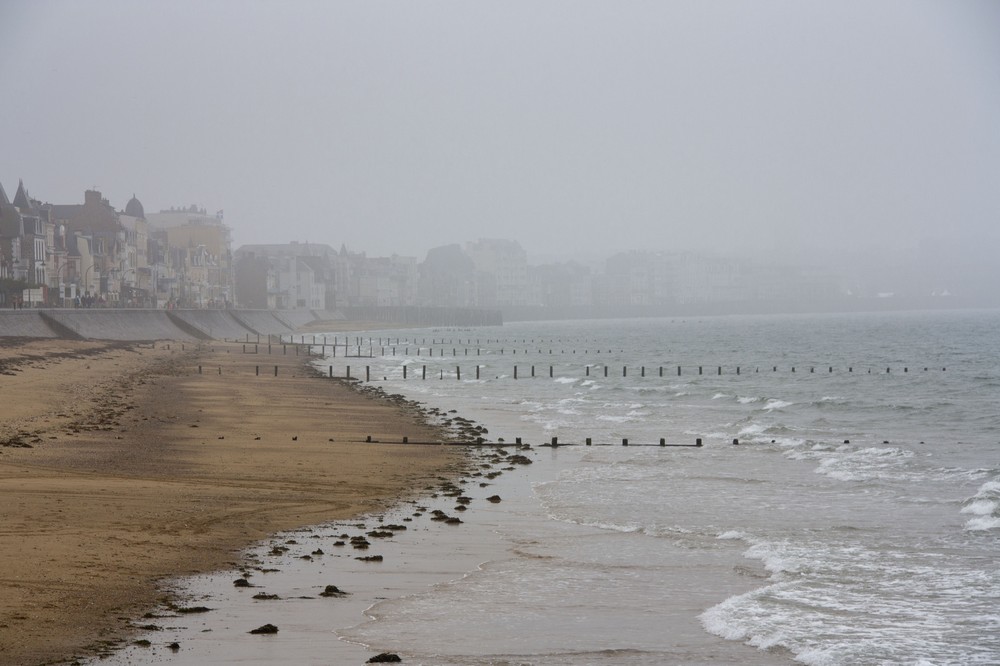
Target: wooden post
(275,371)
(663,441)
(424,373)
(368,376)
(588,441)
(348,374)
(404,372)
(458,372)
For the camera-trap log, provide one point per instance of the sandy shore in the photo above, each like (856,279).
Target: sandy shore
(140,468)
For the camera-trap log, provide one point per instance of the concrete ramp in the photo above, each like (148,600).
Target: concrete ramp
(295,319)
(25,324)
(133,325)
(262,322)
(212,324)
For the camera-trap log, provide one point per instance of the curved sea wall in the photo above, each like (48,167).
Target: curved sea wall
(147,325)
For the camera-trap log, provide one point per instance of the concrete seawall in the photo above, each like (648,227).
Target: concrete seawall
(148,325)
(125,325)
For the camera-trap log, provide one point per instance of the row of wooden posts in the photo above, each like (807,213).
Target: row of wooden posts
(480,441)
(479,368)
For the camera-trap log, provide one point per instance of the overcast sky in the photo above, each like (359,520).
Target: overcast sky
(573,127)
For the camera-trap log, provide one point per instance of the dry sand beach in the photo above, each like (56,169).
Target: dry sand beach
(121,465)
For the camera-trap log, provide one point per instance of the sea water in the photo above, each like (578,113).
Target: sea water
(844,507)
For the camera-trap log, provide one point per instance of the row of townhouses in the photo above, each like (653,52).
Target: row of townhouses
(495,274)
(91,255)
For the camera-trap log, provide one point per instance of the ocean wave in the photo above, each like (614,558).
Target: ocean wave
(874,605)
(732,534)
(982,524)
(985,507)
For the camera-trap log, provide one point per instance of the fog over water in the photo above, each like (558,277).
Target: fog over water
(576,128)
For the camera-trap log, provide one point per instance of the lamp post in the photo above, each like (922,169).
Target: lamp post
(86,277)
(60,283)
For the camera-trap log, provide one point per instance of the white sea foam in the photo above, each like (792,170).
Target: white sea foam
(982,524)
(981,507)
(566,380)
(774,403)
(752,429)
(732,534)
(746,400)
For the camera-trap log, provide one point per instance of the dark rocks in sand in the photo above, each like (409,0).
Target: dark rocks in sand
(263,596)
(332,591)
(372,558)
(493,498)
(339,543)
(453,521)
(142,642)
(174,647)
(318,551)
(385,658)
(189,610)
(461,507)
(381,534)
(265,629)
(242,582)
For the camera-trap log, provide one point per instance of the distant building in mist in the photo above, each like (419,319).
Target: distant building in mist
(314,275)
(197,248)
(501,272)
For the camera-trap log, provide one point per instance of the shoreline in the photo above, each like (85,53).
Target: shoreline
(142,470)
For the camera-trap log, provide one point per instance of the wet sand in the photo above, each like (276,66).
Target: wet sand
(141,469)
